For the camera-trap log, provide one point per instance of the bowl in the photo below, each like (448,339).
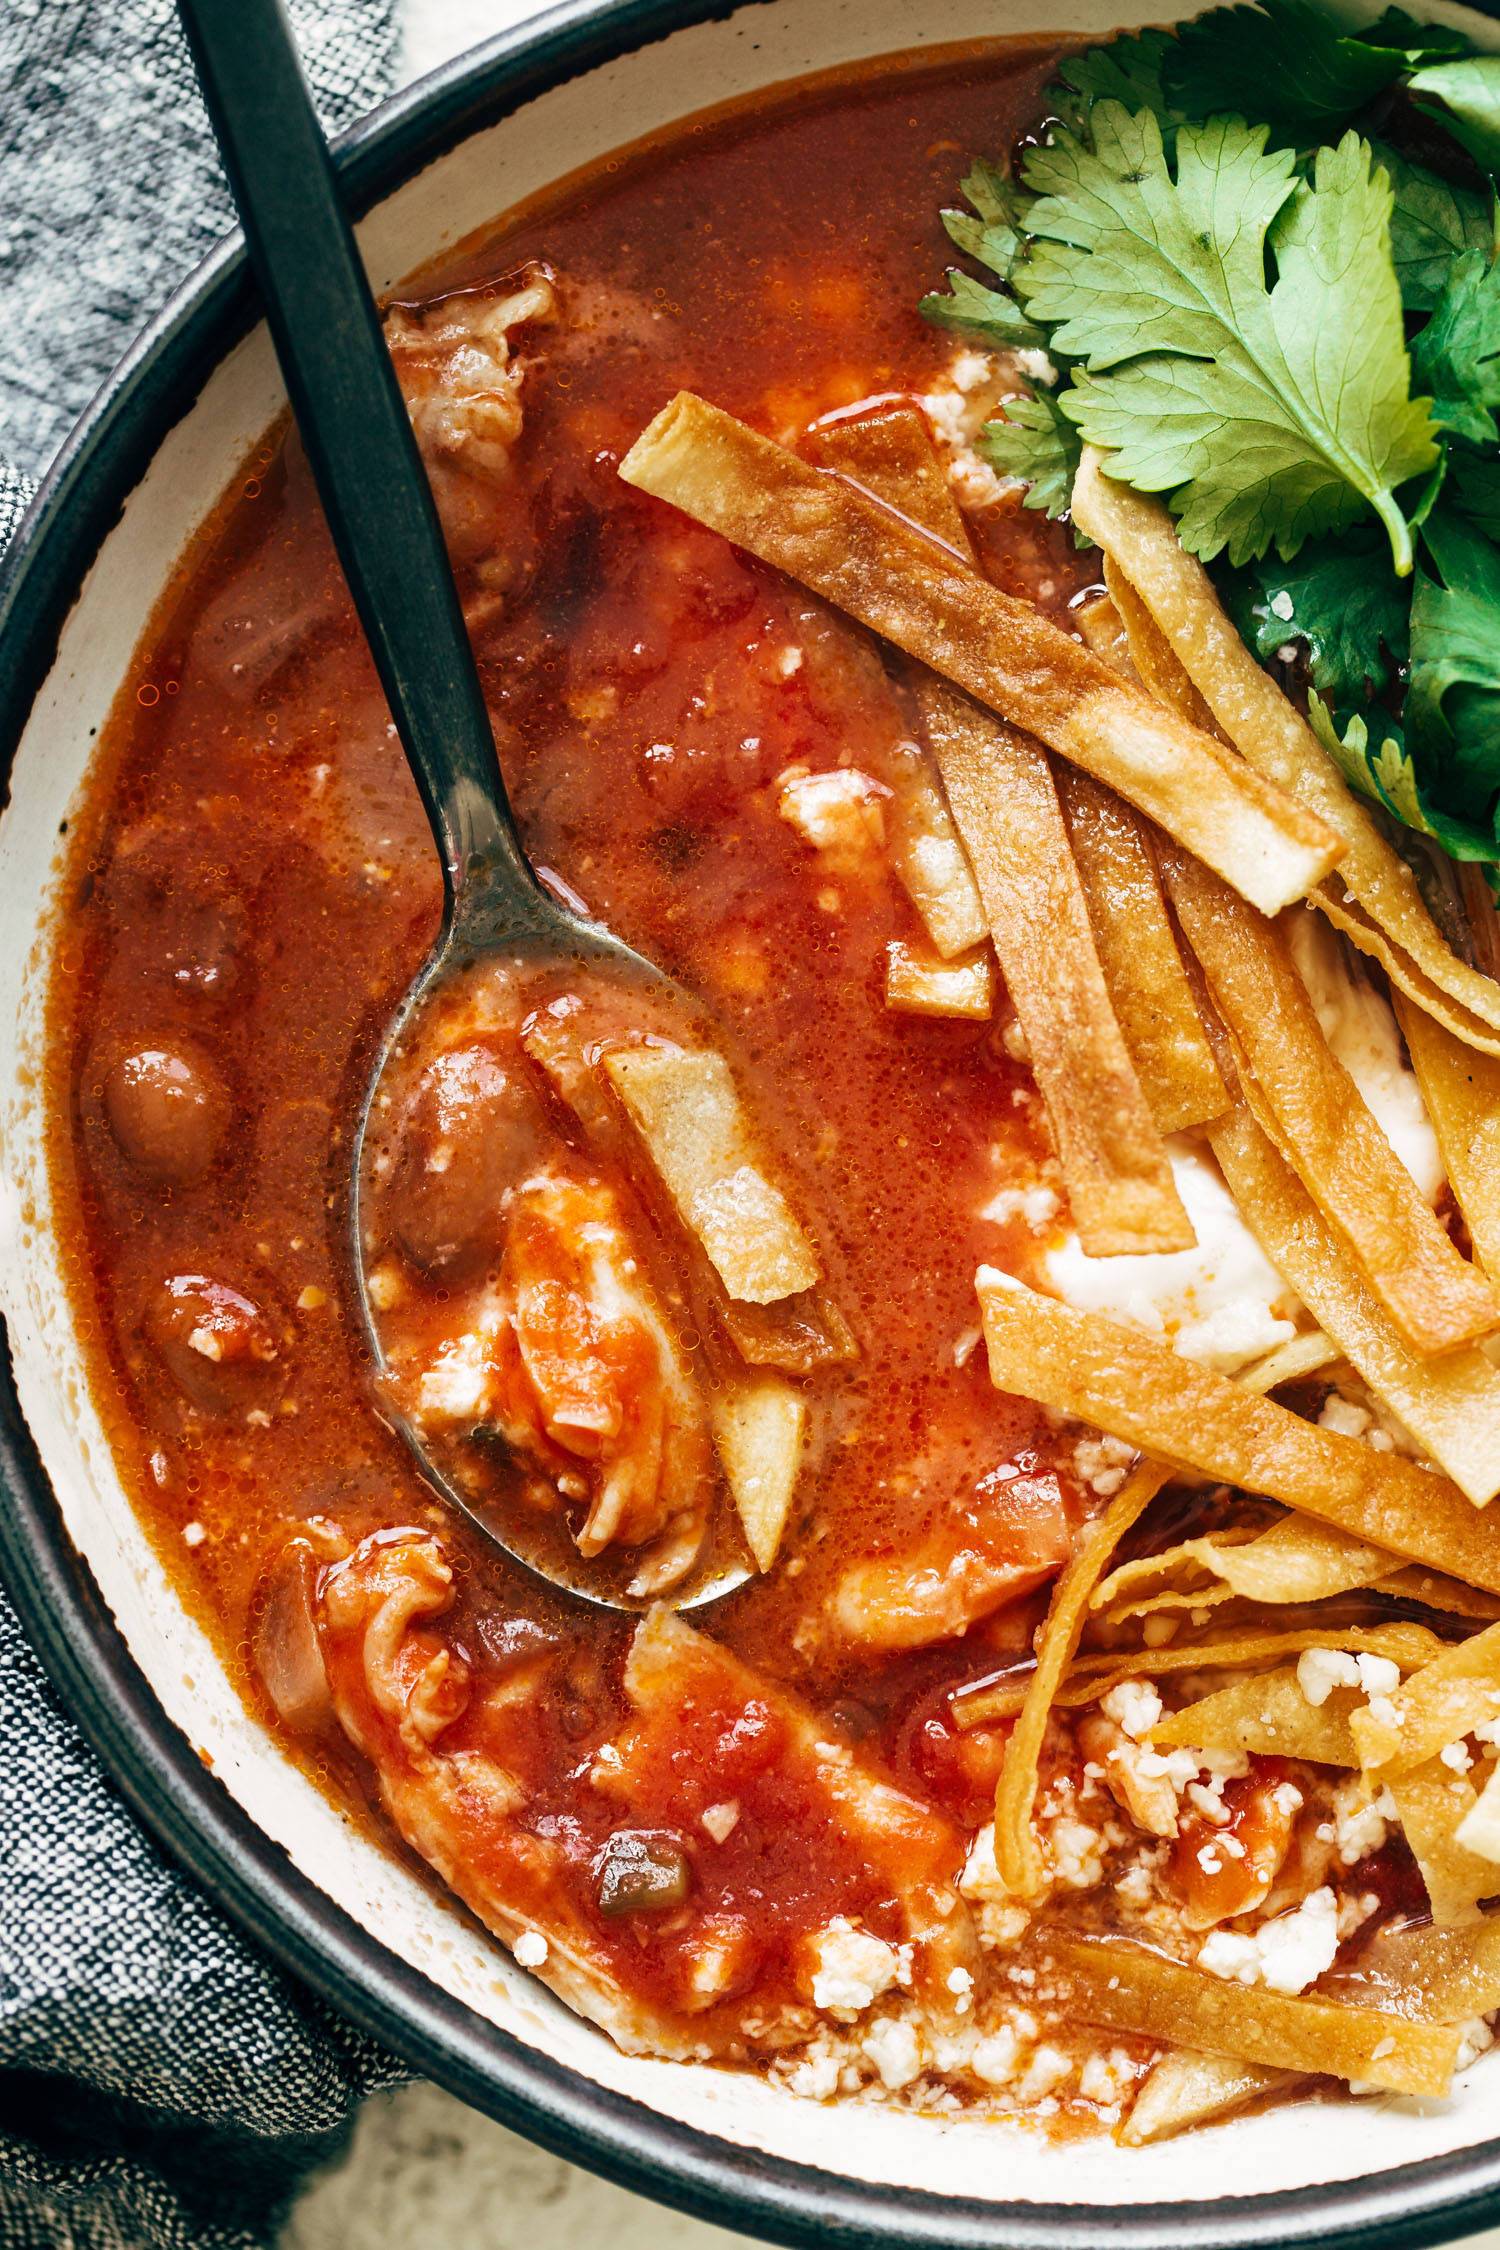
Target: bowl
(143,467)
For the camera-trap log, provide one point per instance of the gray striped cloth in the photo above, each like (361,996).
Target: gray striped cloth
(162,2086)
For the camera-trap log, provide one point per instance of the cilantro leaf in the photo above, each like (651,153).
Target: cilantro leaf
(974,310)
(1340,599)
(1419,42)
(1379,766)
(1453,702)
(1284,64)
(1432,222)
(990,234)
(1269,414)
(1457,355)
(1467,98)
(1127,69)
(1037,443)
(1474,484)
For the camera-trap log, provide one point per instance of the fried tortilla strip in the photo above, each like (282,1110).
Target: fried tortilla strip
(1451,1404)
(1388,919)
(1434,1805)
(1118,1175)
(1152,654)
(1267,1713)
(1016,1852)
(799,1335)
(919,983)
(1297,1560)
(1318,1116)
(922,596)
(760,1429)
(1137,946)
(1432,1975)
(882,450)
(688,1112)
(1003,796)
(1188,2089)
(1479,1831)
(1129,1989)
(1137,1389)
(1461,1091)
(1095,1673)
(1292,1362)
(1439,1705)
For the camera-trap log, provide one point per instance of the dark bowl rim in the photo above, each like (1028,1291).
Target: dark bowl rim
(73,1631)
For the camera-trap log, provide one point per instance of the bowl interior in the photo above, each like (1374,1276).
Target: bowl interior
(494,167)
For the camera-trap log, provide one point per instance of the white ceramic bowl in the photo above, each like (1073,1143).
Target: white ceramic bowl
(146,464)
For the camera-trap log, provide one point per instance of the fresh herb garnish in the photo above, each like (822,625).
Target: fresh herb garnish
(1270,297)
(1270,414)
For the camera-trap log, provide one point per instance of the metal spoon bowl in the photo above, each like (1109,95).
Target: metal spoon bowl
(369,474)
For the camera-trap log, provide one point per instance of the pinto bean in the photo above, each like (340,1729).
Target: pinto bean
(216,1343)
(168,1110)
(473,1128)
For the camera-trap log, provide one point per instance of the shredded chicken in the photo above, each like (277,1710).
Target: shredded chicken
(1009,1540)
(462,379)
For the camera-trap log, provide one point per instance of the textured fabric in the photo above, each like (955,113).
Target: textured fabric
(162,2086)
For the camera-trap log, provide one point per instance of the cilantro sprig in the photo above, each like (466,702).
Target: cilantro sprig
(1265,290)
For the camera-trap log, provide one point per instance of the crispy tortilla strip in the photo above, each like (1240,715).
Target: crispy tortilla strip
(1479,1831)
(1153,656)
(1319,1117)
(1003,796)
(799,1335)
(1118,1175)
(1267,1713)
(1440,1704)
(1296,1560)
(891,454)
(1432,1975)
(1390,921)
(1137,947)
(1130,1989)
(1137,1389)
(1292,1362)
(1434,1804)
(1190,2089)
(1096,1672)
(922,596)
(1016,1852)
(688,1112)
(1461,1090)
(760,1430)
(920,983)
(1433,1591)
(1450,1405)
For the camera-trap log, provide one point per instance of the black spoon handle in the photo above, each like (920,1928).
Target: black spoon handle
(359,442)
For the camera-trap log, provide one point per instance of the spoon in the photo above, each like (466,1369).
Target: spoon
(369,475)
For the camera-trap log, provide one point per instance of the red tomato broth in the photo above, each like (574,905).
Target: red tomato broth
(253,882)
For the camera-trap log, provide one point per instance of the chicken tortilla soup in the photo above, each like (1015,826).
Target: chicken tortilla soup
(985,569)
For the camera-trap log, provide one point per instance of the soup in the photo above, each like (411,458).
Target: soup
(1049,1757)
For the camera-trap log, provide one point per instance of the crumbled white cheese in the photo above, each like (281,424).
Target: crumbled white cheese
(816,2077)
(1036,1205)
(997,2058)
(1134,1706)
(1285,1955)
(1075,1851)
(1045,2072)
(530,1949)
(1106,2078)
(1103,1463)
(1222,1302)
(1475,2039)
(851,1967)
(721,1820)
(893,2047)
(1361,1030)
(1321,1670)
(1359,1823)
(958,406)
(1456,1756)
